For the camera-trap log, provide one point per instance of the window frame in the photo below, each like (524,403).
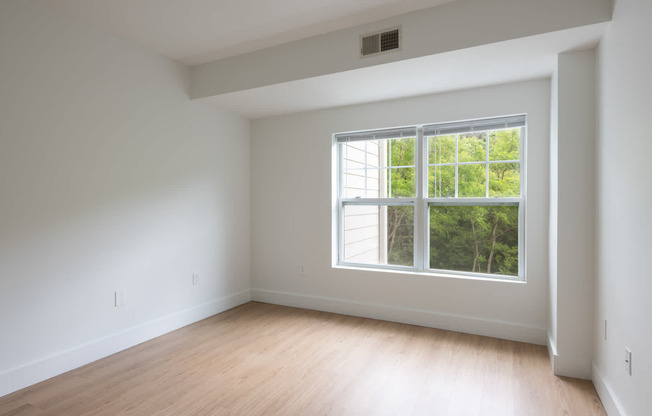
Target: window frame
(422,202)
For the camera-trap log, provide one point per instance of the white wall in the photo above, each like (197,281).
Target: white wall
(110,178)
(572,213)
(553,226)
(292,207)
(624,223)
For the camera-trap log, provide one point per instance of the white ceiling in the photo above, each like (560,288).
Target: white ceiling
(199,31)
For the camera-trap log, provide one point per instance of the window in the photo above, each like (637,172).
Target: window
(444,197)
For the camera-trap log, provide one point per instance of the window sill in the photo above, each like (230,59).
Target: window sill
(499,279)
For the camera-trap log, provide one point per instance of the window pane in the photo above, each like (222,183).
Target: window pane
(441,181)
(481,239)
(504,180)
(360,163)
(379,234)
(365,172)
(472,147)
(441,149)
(401,183)
(471,182)
(505,144)
(403,151)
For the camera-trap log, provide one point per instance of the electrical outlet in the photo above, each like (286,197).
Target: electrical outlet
(628,361)
(195,279)
(120,298)
(302,270)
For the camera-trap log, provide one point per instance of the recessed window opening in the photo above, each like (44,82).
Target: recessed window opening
(439,198)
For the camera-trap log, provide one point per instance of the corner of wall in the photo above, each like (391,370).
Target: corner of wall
(552,350)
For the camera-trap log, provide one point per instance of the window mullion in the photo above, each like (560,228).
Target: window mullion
(340,208)
(419,214)
(486,187)
(340,232)
(456,165)
(389,168)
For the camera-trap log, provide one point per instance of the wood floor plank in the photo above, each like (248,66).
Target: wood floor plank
(261,359)
(24,410)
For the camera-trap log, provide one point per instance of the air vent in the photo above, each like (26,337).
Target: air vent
(379,42)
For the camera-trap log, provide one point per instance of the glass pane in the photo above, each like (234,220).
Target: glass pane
(471,182)
(504,179)
(472,147)
(441,149)
(403,151)
(505,144)
(376,234)
(481,239)
(365,171)
(360,168)
(401,183)
(441,181)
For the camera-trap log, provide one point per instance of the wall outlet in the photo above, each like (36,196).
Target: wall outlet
(195,279)
(628,361)
(120,298)
(302,270)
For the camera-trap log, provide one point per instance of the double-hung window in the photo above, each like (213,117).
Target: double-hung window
(441,198)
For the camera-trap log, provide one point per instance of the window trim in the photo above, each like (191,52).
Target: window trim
(422,202)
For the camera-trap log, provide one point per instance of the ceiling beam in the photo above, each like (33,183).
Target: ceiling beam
(453,26)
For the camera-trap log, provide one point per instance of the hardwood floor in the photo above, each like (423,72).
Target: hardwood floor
(260,359)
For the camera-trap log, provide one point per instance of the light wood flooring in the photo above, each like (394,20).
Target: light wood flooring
(260,359)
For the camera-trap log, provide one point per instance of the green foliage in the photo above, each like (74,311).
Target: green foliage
(504,180)
(400,235)
(472,147)
(505,144)
(441,181)
(441,149)
(482,239)
(471,181)
(402,182)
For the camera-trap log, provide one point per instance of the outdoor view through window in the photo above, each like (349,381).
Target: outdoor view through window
(440,197)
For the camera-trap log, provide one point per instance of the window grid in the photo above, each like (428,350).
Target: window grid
(487,162)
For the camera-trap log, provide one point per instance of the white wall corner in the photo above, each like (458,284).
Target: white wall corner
(569,365)
(552,350)
(26,375)
(606,393)
(470,325)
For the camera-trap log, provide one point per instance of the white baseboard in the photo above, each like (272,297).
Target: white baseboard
(609,400)
(471,325)
(568,365)
(43,369)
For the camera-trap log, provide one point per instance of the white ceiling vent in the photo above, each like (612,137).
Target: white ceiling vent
(384,41)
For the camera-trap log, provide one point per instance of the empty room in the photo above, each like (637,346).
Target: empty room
(321,207)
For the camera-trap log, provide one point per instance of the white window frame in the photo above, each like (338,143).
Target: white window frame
(422,202)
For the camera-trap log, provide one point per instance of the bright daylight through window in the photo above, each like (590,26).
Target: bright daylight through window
(444,197)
